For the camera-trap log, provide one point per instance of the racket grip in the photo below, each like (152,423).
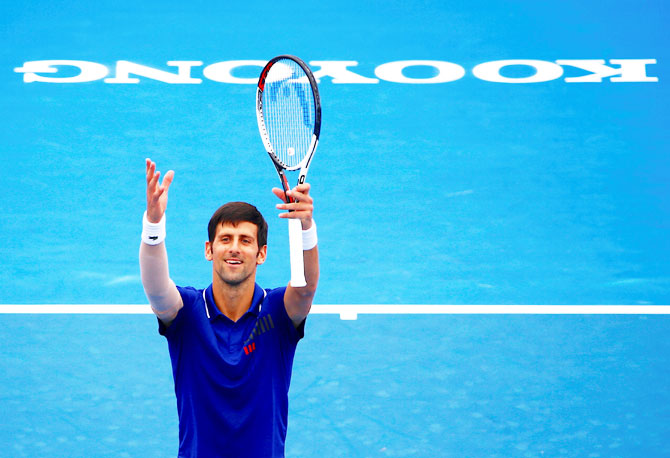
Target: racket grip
(295,246)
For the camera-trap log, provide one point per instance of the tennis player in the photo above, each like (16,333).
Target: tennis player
(231,344)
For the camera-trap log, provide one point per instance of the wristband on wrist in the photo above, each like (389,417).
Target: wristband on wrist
(153,233)
(309,238)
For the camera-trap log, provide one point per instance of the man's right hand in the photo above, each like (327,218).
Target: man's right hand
(157,194)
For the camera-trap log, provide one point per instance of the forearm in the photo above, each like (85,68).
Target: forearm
(310,257)
(311,263)
(298,301)
(161,291)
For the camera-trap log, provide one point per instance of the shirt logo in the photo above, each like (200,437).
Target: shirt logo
(249,348)
(263,325)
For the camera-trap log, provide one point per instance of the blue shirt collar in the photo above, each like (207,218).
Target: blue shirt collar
(213,311)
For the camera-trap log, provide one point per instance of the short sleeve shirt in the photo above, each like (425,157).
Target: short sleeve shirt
(232,378)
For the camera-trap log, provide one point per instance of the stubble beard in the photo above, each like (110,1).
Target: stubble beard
(234,280)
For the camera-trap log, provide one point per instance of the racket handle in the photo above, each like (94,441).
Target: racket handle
(295,246)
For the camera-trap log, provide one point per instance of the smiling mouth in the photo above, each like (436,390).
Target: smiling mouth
(233,262)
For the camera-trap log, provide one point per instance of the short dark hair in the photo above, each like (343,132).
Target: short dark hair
(237,212)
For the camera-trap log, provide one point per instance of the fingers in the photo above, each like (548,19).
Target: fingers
(299,193)
(279,193)
(156,193)
(153,179)
(296,209)
(167,180)
(302,208)
(151,173)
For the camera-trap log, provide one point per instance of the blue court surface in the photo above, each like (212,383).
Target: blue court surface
(472,153)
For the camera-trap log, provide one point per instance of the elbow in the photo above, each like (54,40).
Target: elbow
(307,292)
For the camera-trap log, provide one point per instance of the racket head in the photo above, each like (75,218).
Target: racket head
(288,110)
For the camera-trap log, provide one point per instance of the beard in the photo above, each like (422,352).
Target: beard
(234,279)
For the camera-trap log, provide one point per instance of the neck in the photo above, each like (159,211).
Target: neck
(233,300)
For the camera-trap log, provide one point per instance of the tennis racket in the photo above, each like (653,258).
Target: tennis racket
(289,120)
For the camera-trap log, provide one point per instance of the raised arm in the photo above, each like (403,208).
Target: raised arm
(161,291)
(298,301)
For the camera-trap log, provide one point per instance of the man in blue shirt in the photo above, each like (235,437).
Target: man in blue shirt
(232,343)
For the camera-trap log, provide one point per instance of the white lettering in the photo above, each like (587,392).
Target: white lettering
(183,76)
(631,70)
(446,71)
(88,71)
(337,70)
(222,72)
(544,71)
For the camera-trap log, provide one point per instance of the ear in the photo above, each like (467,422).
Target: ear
(208,251)
(262,255)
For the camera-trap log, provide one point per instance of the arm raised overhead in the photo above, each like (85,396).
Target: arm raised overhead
(161,291)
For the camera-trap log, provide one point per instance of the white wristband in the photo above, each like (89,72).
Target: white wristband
(309,238)
(153,233)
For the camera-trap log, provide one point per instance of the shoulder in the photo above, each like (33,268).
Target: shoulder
(189,294)
(273,300)
(275,294)
(192,300)
(273,305)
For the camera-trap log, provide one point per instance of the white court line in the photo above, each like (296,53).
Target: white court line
(351,311)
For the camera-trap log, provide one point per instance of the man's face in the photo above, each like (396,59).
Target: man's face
(235,253)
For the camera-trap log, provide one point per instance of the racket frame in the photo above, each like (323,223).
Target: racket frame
(294,225)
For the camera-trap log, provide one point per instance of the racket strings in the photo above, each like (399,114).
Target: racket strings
(288,112)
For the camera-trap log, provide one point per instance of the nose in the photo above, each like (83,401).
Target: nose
(234,246)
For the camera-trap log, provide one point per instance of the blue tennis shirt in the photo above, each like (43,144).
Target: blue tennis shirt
(232,378)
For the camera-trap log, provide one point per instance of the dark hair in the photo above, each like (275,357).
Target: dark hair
(237,212)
